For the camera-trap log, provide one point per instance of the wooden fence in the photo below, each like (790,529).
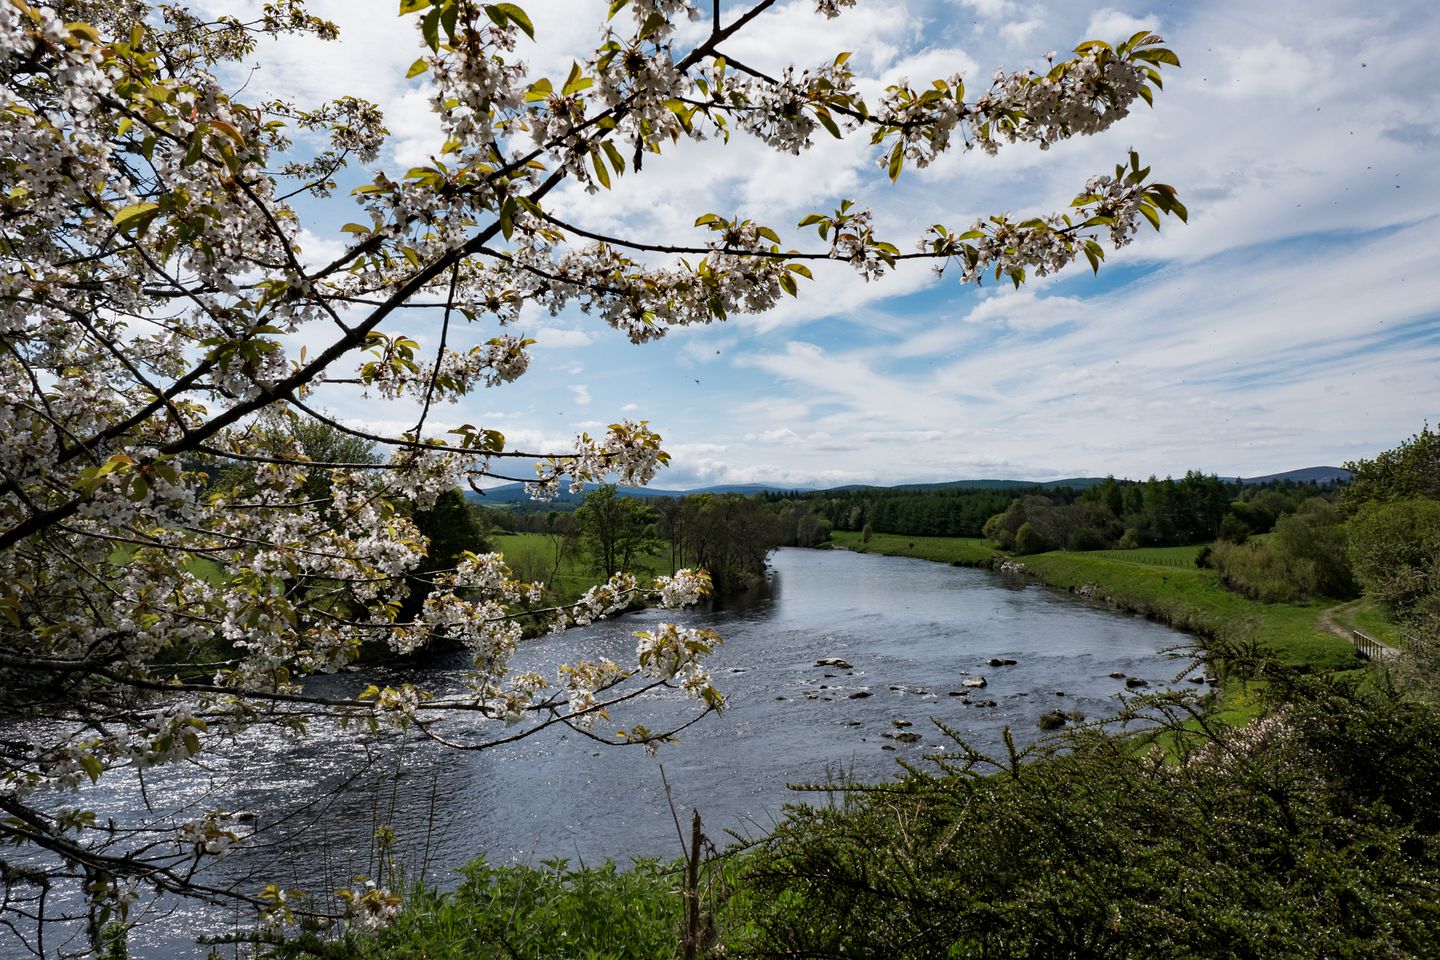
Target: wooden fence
(1367,646)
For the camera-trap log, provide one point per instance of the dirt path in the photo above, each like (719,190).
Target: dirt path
(1328,622)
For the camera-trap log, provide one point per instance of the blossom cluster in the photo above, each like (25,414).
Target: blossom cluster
(168,542)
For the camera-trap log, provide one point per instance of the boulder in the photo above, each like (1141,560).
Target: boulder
(975,682)
(907,737)
(1117,675)
(1053,720)
(1134,683)
(859,694)
(902,724)
(833,662)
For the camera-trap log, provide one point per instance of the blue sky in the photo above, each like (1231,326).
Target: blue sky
(1295,320)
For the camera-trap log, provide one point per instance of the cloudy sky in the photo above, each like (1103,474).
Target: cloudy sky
(1295,321)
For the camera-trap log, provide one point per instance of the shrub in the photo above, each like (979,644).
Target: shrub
(1028,540)
(1309,833)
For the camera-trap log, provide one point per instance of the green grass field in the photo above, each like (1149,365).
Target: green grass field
(1148,583)
(1154,556)
(531,557)
(967,551)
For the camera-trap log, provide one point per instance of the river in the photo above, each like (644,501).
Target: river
(912,632)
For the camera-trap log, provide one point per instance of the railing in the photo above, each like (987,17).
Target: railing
(1367,646)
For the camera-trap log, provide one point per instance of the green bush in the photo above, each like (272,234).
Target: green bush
(1028,540)
(1310,833)
(1306,557)
(1395,548)
(529,913)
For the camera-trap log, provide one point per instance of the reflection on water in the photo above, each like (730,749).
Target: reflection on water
(911,631)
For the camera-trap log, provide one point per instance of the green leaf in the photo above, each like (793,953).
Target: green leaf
(616,161)
(897,160)
(449,18)
(92,767)
(420,65)
(811,219)
(707,218)
(539,90)
(503,13)
(576,81)
(137,216)
(430,29)
(828,122)
(355,228)
(652,23)
(507,217)
(601,173)
(413,6)
(615,8)
(1159,55)
(227,129)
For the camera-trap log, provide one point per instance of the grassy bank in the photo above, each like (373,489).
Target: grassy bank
(1155,583)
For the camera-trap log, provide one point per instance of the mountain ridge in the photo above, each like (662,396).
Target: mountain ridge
(514,493)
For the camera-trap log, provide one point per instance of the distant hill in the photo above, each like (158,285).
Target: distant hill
(514,493)
(1077,483)
(1320,475)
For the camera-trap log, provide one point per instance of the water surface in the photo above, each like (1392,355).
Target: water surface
(912,632)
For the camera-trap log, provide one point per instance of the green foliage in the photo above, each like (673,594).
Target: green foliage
(1030,540)
(1409,471)
(529,913)
(617,533)
(957,551)
(730,535)
(1305,557)
(1311,833)
(1395,549)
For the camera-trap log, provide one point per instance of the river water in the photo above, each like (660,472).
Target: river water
(912,632)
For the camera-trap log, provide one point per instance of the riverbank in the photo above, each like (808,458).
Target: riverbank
(1152,585)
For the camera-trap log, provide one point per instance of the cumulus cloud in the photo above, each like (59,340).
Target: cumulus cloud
(1293,321)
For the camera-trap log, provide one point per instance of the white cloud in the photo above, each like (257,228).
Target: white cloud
(559,338)
(1111,25)
(1257,337)
(990,9)
(1019,31)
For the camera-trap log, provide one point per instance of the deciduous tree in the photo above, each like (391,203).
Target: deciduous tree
(155,291)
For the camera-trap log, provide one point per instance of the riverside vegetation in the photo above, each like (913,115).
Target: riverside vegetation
(166,322)
(1302,821)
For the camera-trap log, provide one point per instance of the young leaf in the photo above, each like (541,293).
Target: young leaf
(136,217)
(503,13)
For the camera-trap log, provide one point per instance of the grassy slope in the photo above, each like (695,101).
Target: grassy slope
(1186,597)
(531,557)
